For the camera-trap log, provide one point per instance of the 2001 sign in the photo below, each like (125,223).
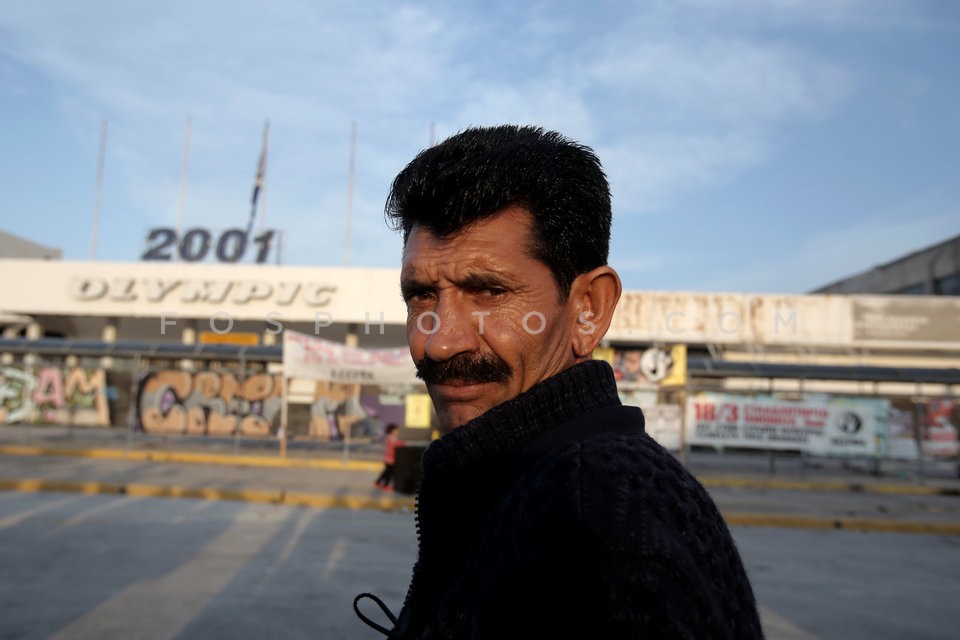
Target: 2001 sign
(164,243)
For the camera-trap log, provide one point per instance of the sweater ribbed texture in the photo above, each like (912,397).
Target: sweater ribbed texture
(599,533)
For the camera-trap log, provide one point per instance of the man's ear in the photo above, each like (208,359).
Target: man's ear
(593,296)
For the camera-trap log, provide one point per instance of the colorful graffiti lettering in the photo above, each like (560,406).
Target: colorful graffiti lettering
(209,403)
(219,403)
(51,395)
(336,408)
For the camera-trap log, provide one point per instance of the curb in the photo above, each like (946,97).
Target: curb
(825,485)
(851,524)
(289,498)
(397,503)
(194,458)
(368,466)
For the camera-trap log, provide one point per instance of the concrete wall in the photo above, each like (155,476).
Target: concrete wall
(124,301)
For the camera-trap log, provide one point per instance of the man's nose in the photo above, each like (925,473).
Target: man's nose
(453,331)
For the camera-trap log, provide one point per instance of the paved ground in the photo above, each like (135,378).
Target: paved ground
(750,489)
(350,486)
(259,552)
(100,567)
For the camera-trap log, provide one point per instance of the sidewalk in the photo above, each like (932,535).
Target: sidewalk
(113,461)
(92,438)
(750,489)
(733,469)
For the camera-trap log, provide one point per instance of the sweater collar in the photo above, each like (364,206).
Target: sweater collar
(512,425)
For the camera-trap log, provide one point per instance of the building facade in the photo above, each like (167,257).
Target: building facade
(177,347)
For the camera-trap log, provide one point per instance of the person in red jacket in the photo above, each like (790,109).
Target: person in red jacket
(391,442)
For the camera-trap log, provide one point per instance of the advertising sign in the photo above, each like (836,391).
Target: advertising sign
(419,409)
(906,319)
(648,368)
(928,427)
(821,425)
(306,356)
(677,375)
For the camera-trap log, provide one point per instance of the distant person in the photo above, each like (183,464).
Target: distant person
(544,510)
(391,441)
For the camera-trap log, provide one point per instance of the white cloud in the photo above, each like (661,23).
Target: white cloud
(312,70)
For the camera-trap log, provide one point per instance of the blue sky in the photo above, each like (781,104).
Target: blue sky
(764,146)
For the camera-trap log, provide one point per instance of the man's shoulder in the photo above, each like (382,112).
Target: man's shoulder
(613,438)
(630,459)
(614,468)
(605,458)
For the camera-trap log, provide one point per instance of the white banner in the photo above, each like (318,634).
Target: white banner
(820,425)
(663,424)
(306,356)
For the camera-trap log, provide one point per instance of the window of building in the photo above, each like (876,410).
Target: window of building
(913,290)
(948,285)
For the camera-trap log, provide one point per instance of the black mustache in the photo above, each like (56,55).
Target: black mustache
(465,368)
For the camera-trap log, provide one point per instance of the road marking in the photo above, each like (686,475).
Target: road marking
(304,521)
(393,503)
(333,560)
(164,606)
(86,515)
(198,507)
(16,518)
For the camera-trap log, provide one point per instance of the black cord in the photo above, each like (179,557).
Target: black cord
(368,621)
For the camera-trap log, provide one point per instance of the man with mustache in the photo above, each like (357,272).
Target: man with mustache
(544,510)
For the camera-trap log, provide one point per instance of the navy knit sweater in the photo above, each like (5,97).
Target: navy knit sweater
(554,515)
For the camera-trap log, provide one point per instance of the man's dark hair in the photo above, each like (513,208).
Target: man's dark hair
(480,171)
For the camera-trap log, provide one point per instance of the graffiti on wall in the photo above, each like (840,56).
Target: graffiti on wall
(335,410)
(209,403)
(51,395)
(221,403)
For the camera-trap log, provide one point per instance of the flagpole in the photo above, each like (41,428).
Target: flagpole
(183,175)
(258,180)
(353,157)
(98,192)
(262,202)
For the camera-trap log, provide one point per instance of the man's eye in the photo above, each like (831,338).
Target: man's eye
(417,296)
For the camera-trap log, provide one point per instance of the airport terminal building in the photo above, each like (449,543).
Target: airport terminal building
(197,348)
